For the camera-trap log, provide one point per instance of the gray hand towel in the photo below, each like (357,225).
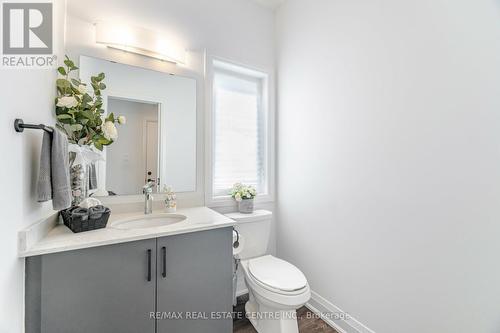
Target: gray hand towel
(53,181)
(44,186)
(82,213)
(97,211)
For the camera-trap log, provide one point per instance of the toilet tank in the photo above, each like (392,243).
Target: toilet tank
(256,231)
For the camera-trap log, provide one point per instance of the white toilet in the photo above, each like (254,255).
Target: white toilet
(276,287)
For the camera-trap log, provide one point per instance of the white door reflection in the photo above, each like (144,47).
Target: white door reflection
(132,160)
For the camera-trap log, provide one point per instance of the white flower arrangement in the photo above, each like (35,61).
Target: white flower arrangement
(67,102)
(122,120)
(80,113)
(109,130)
(241,192)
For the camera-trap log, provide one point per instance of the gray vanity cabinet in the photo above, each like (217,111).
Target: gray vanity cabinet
(195,279)
(100,289)
(120,288)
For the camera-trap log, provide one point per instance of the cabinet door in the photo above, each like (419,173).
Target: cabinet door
(100,290)
(194,282)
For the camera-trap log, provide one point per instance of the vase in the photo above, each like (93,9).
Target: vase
(78,174)
(81,159)
(245,206)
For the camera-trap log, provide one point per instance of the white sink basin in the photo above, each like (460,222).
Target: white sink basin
(146,221)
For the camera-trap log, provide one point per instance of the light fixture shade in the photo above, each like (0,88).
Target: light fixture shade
(140,41)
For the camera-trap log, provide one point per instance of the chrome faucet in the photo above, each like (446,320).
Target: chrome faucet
(147,190)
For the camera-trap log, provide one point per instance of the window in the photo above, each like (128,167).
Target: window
(240,129)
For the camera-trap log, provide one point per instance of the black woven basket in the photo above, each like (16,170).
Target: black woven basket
(85,221)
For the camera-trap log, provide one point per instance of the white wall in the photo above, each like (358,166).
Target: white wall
(389,159)
(236,29)
(27,94)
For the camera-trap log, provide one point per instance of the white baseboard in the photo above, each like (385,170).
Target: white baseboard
(327,311)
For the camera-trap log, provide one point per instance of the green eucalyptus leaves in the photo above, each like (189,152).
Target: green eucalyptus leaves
(80,114)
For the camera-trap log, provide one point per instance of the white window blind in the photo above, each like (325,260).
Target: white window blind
(239,131)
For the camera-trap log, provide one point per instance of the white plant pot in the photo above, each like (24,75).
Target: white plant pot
(245,206)
(170,210)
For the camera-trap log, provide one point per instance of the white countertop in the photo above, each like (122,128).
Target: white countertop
(47,236)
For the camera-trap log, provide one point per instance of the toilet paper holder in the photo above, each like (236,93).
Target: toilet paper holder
(236,243)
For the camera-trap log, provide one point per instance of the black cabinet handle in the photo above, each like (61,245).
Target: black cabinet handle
(164,254)
(149,265)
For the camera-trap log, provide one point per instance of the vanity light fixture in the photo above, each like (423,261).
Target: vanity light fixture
(140,41)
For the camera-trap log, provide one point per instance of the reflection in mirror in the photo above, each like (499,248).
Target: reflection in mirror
(158,141)
(132,160)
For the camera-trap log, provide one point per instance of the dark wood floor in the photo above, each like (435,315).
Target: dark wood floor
(308,323)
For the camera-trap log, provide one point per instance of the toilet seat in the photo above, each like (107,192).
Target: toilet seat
(277,275)
(275,287)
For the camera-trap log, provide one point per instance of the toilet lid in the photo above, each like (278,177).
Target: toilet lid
(277,273)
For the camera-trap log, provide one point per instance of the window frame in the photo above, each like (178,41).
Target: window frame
(268,110)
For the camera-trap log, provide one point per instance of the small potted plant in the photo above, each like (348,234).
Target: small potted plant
(170,199)
(244,196)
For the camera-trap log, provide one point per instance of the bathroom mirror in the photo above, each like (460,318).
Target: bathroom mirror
(158,141)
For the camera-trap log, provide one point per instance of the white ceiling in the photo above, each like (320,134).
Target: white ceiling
(270,3)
